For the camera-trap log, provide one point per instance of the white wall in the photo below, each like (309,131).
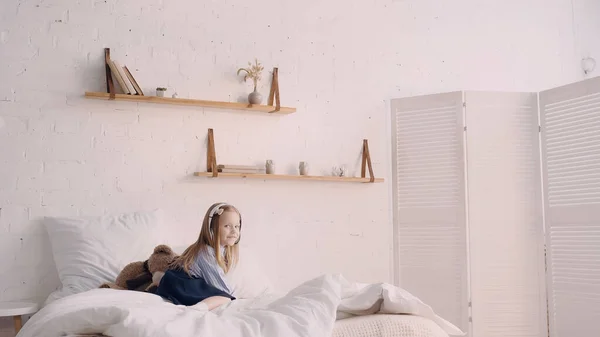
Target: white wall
(586,25)
(340,62)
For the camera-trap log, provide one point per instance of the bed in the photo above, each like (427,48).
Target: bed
(328,305)
(376,326)
(90,251)
(373,326)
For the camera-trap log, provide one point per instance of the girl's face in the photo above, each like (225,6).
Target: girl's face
(229,228)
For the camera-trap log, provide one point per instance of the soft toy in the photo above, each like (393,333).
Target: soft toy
(144,275)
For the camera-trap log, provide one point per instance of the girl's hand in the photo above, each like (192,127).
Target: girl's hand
(157,277)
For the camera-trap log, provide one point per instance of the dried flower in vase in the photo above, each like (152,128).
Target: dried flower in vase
(253,72)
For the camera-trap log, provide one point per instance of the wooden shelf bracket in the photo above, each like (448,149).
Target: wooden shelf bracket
(366,160)
(274,93)
(211,155)
(110,86)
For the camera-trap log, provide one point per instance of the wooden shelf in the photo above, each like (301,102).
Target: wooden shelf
(191,102)
(212,169)
(289,177)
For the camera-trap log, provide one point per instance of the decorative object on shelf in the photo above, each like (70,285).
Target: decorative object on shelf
(303,168)
(133,92)
(255,97)
(174,95)
(254,73)
(212,169)
(339,171)
(160,92)
(270,166)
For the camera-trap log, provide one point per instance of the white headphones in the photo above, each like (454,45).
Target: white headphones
(215,209)
(212,212)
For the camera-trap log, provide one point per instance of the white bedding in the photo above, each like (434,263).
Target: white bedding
(311,309)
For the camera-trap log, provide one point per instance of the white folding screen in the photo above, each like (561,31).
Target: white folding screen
(486,246)
(506,251)
(429,198)
(570,118)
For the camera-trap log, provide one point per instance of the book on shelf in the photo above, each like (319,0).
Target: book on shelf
(117,76)
(137,87)
(125,78)
(240,169)
(130,88)
(258,171)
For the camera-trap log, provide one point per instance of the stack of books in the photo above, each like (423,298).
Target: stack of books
(125,79)
(240,169)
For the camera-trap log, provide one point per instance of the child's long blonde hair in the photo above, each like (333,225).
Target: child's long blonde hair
(211,224)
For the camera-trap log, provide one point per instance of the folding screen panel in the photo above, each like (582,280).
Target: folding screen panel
(429,202)
(506,252)
(570,118)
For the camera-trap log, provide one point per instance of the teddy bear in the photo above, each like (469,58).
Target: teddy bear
(144,275)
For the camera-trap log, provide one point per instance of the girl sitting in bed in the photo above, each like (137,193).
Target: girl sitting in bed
(197,277)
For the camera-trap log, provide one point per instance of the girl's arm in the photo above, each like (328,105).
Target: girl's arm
(211,271)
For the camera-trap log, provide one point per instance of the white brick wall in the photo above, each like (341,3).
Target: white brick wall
(339,62)
(586,27)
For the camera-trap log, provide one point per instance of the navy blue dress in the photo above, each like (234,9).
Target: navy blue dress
(182,289)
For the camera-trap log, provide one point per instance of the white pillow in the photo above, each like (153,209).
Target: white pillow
(89,251)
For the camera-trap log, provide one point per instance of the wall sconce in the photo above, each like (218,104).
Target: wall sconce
(588,64)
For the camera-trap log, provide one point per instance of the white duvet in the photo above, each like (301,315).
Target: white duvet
(309,310)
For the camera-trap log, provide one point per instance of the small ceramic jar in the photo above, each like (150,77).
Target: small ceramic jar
(303,168)
(270,167)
